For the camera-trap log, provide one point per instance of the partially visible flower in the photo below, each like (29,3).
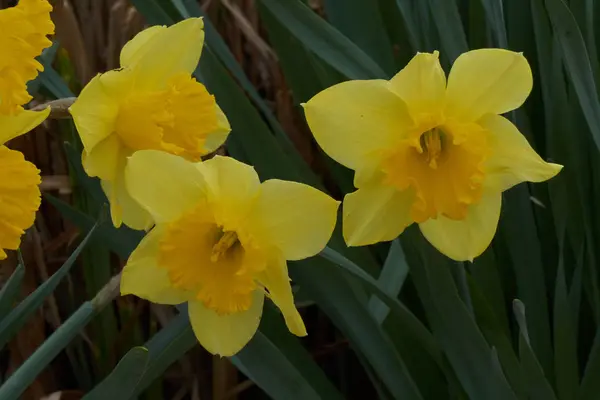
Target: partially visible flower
(23,36)
(426,151)
(152,102)
(23,31)
(221,242)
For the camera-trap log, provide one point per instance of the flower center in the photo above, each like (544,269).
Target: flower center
(211,263)
(432,143)
(226,243)
(23,31)
(443,167)
(177,119)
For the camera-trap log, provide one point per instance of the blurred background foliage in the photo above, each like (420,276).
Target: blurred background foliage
(393,321)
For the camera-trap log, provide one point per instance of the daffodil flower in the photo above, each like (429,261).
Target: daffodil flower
(429,151)
(24,30)
(152,102)
(221,242)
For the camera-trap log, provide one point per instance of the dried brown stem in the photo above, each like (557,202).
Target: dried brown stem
(59,109)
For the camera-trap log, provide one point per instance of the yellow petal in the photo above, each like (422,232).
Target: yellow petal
(104,159)
(487,81)
(296,218)
(164,184)
(169,52)
(19,197)
(215,139)
(143,277)
(422,85)
(95,110)
(123,208)
(463,240)
(12,126)
(225,335)
(232,187)
(376,213)
(512,160)
(354,120)
(138,46)
(275,278)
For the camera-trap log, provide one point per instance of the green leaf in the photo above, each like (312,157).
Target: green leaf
(590,383)
(11,289)
(565,340)
(486,271)
(392,277)
(495,15)
(274,330)
(39,360)
(410,322)
(305,73)
(585,13)
(577,63)
(154,12)
(537,385)
(323,282)
(517,230)
(46,59)
(164,348)
(498,336)
(407,9)
(361,22)
(450,28)
(453,325)
(121,382)
(21,314)
(262,360)
(49,79)
(280,376)
(324,40)
(430,39)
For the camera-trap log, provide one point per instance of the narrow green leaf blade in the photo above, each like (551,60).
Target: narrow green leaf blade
(565,341)
(261,360)
(408,13)
(495,15)
(121,382)
(517,230)
(10,290)
(449,25)
(452,323)
(324,40)
(411,323)
(20,314)
(577,63)
(392,277)
(361,22)
(538,386)
(336,298)
(39,360)
(269,368)
(590,384)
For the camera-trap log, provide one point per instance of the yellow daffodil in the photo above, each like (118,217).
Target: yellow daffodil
(152,102)
(23,36)
(429,151)
(221,242)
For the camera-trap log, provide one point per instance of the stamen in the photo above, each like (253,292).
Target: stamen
(227,241)
(432,144)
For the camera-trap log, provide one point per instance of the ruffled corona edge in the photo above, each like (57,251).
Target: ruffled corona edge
(19,197)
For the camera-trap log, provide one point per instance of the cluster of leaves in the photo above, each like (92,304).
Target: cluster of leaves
(521,322)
